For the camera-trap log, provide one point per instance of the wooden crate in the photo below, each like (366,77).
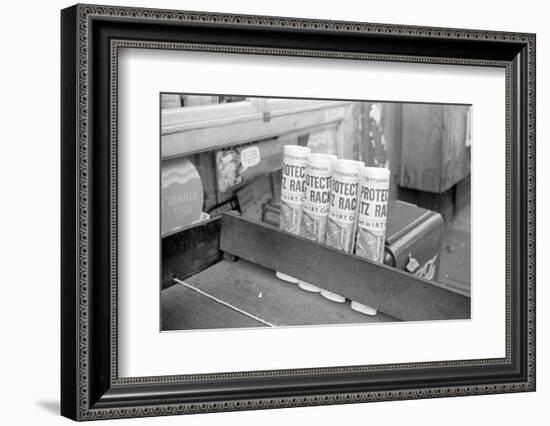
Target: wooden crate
(434,154)
(391,291)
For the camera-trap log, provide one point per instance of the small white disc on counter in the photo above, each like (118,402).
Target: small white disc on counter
(333,296)
(286,277)
(308,287)
(364,309)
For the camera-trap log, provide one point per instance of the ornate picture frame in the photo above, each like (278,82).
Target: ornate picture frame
(91,37)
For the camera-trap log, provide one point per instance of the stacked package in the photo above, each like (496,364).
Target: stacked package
(334,201)
(292,191)
(372,212)
(314,214)
(343,210)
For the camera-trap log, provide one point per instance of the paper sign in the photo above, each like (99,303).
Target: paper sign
(373,212)
(240,164)
(250,157)
(182,195)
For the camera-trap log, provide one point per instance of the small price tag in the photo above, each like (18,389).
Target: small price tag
(250,157)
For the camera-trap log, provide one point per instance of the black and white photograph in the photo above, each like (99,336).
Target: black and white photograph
(275,213)
(266,211)
(311,212)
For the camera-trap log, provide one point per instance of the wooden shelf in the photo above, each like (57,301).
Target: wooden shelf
(392,291)
(255,290)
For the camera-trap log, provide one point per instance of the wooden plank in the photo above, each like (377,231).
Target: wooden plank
(186,115)
(391,291)
(189,251)
(185,309)
(256,290)
(219,134)
(433,151)
(455,160)
(422,134)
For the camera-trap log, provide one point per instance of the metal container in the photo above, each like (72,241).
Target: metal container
(413,239)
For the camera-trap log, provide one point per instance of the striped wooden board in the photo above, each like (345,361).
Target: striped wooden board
(254,290)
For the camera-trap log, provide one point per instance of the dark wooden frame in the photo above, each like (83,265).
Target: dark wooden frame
(90,386)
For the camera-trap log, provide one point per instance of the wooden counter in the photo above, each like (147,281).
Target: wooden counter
(255,290)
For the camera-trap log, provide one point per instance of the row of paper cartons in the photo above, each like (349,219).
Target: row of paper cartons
(334,201)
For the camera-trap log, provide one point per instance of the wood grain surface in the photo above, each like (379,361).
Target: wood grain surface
(434,155)
(253,289)
(387,289)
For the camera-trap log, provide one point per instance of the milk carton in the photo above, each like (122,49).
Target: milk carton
(342,211)
(292,191)
(314,213)
(372,214)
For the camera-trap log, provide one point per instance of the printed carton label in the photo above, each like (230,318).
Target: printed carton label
(292,190)
(342,209)
(371,217)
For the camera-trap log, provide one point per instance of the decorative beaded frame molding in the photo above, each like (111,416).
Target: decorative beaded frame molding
(85,409)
